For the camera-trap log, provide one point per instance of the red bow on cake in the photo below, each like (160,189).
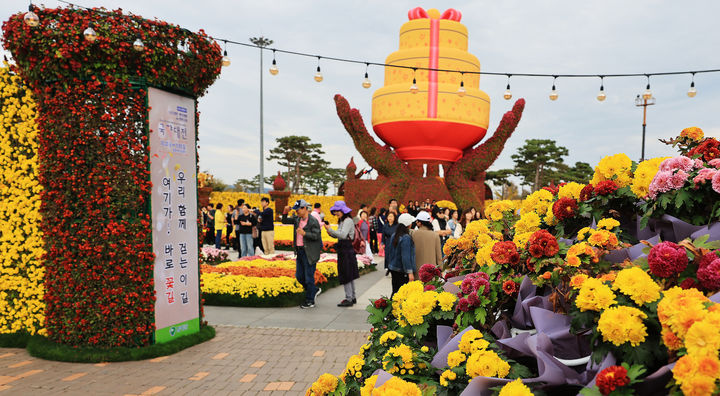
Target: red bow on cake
(420,13)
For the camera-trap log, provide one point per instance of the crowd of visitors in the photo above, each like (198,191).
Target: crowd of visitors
(407,236)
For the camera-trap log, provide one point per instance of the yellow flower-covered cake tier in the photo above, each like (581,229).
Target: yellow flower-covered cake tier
(434,123)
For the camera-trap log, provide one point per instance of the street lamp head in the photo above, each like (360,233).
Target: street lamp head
(261,41)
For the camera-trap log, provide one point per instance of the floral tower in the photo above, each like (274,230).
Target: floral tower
(429,118)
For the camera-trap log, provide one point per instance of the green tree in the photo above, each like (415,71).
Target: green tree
(319,181)
(539,162)
(582,172)
(251,185)
(300,156)
(216,184)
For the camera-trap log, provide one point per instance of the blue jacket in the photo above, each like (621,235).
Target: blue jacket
(400,258)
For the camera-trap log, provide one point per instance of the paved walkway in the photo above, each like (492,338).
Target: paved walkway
(238,361)
(257,351)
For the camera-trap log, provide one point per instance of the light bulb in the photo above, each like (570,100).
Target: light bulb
(507,95)
(462,91)
(225,59)
(90,34)
(366,82)
(648,93)
(692,91)
(274,69)
(318,75)
(414,87)
(553,93)
(31,19)
(138,45)
(601,95)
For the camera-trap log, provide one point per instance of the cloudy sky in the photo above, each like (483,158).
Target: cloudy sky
(513,36)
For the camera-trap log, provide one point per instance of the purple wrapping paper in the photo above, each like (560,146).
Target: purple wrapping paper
(527,298)
(713,230)
(383,377)
(632,253)
(444,333)
(450,287)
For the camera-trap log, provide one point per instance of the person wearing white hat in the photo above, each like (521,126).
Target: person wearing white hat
(400,253)
(428,249)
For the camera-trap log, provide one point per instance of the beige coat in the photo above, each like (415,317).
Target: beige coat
(427,248)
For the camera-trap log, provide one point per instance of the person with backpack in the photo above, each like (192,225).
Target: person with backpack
(400,253)
(347,265)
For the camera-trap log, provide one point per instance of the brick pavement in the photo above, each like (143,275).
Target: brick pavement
(238,361)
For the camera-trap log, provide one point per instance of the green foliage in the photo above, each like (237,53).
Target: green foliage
(14,340)
(42,347)
(300,156)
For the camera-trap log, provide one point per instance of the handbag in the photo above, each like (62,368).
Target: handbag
(358,241)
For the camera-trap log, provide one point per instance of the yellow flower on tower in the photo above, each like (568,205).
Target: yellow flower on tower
(22,308)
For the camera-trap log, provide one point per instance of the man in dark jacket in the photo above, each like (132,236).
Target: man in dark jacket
(307,243)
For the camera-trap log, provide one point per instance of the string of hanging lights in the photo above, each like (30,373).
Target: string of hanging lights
(31,19)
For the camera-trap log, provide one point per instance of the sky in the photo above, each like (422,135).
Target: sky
(512,36)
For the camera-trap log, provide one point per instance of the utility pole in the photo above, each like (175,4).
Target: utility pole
(261,43)
(644,101)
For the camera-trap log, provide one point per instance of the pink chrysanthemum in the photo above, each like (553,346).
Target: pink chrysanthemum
(667,259)
(716,182)
(677,181)
(704,175)
(660,183)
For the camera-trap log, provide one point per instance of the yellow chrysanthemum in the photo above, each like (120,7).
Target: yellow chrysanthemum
(607,224)
(577,281)
(644,175)
(455,358)
(537,202)
(623,324)
(570,190)
(529,222)
(496,210)
(680,308)
(368,386)
(638,285)
(515,388)
(446,377)
(446,301)
(397,387)
(486,363)
(402,351)
(614,167)
(390,336)
(594,295)
(327,383)
(472,341)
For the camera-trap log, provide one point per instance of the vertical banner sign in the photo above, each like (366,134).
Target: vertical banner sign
(174,214)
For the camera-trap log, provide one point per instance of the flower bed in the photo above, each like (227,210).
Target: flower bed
(259,282)
(565,292)
(230,198)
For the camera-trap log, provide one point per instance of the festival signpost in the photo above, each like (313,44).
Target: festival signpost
(173,173)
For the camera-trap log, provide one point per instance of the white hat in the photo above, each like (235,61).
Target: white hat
(406,219)
(423,216)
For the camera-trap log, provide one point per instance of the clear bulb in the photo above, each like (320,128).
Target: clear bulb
(318,76)
(507,95)
(226,61)
(692,91)
(414,87)
(90,34)
(461,91)
(138,45)
(31,19)
(366,83)
(553,94)
(274,69)
(647,94)
(601,96)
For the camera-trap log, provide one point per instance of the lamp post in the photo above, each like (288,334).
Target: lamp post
(644,101)
(261,42)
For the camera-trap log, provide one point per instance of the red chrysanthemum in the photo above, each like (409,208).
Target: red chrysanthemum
(510,287)
(587,192)
(707,150)
(505,253)
(543,244)
(708,273)
(463,305)
(689,283)
(481,285)
(606,187)
(428,272)
(612,378)
(667,259)
(474,299)
(565,208)
(380,303)
(429,288)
